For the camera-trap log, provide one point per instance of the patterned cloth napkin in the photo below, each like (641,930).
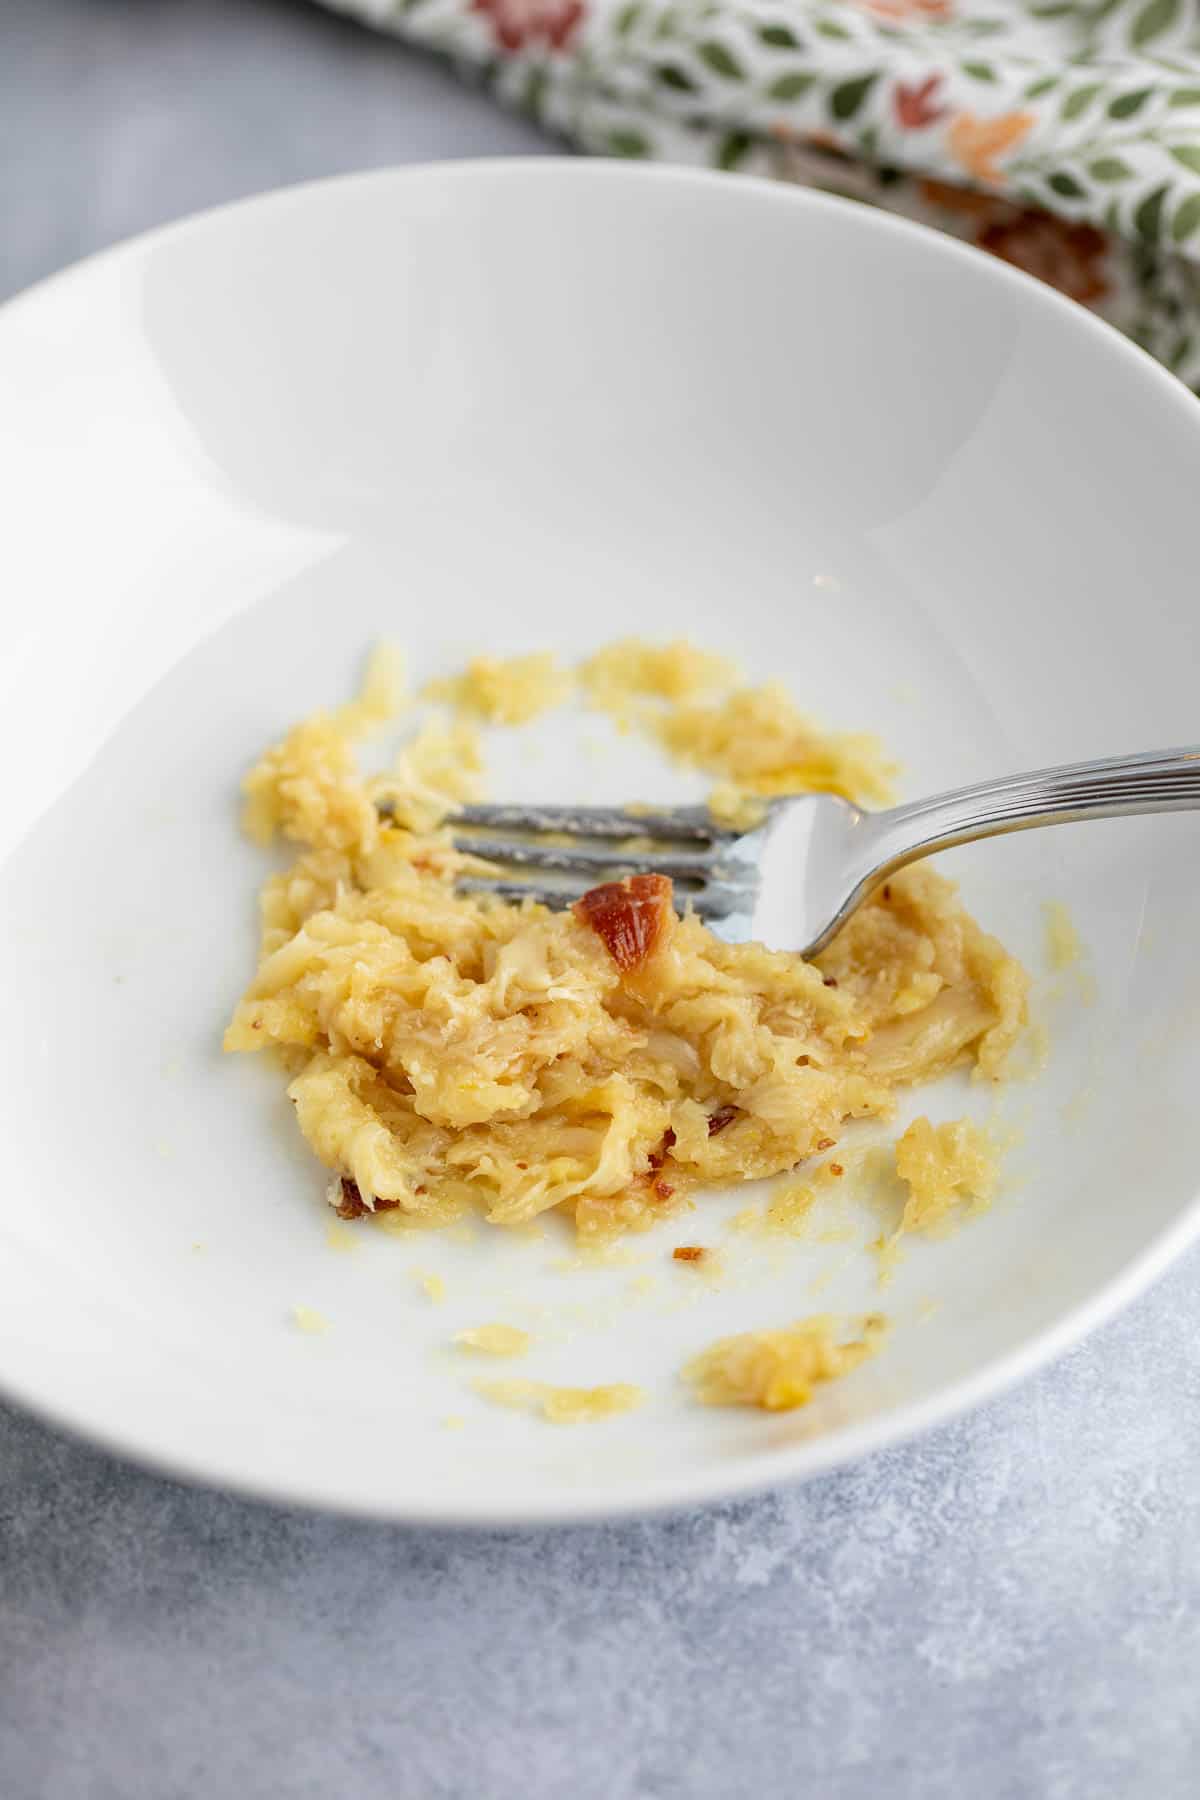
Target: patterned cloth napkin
(1061,135)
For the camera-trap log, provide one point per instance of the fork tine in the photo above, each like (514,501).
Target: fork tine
(682,824)
(718,900)
(601,861)
(688,849)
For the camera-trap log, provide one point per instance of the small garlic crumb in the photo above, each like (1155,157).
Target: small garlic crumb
(1067,954)
(453,1422)
(787,1213)
(384,693)
(779,1370)
(338,1238)
(946,1168)
(308,1320)
(1064,946)
(890,1257)
(495,1340)
(199,1246)
(562,1405)
(432,1284)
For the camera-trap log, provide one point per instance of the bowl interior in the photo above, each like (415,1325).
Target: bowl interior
(541,406)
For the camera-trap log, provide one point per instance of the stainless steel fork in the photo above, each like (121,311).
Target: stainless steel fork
(798,876)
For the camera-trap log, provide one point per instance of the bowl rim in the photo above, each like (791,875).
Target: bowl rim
(758,1471)
(619,170)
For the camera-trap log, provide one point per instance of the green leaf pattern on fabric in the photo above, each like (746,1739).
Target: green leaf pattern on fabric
(1062,135)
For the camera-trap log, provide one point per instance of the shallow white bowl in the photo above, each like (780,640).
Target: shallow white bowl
(514,406)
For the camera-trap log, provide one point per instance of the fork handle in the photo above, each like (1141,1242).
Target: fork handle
(1151,782)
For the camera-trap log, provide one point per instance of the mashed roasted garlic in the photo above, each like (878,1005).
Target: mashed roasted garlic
(693,705)
(447,1052)
(563,1405)
(948,1170)
(779,1370)
(495,1340)
(505,692)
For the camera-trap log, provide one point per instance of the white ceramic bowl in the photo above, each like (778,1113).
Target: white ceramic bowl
(511,406)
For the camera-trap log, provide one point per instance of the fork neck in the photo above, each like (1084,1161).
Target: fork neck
(1149,782)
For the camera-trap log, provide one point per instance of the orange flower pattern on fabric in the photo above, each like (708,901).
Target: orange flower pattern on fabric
(977,144)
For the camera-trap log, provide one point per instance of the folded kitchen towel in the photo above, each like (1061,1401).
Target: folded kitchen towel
(1061,135)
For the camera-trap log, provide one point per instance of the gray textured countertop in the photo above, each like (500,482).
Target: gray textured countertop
(1009,1608)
